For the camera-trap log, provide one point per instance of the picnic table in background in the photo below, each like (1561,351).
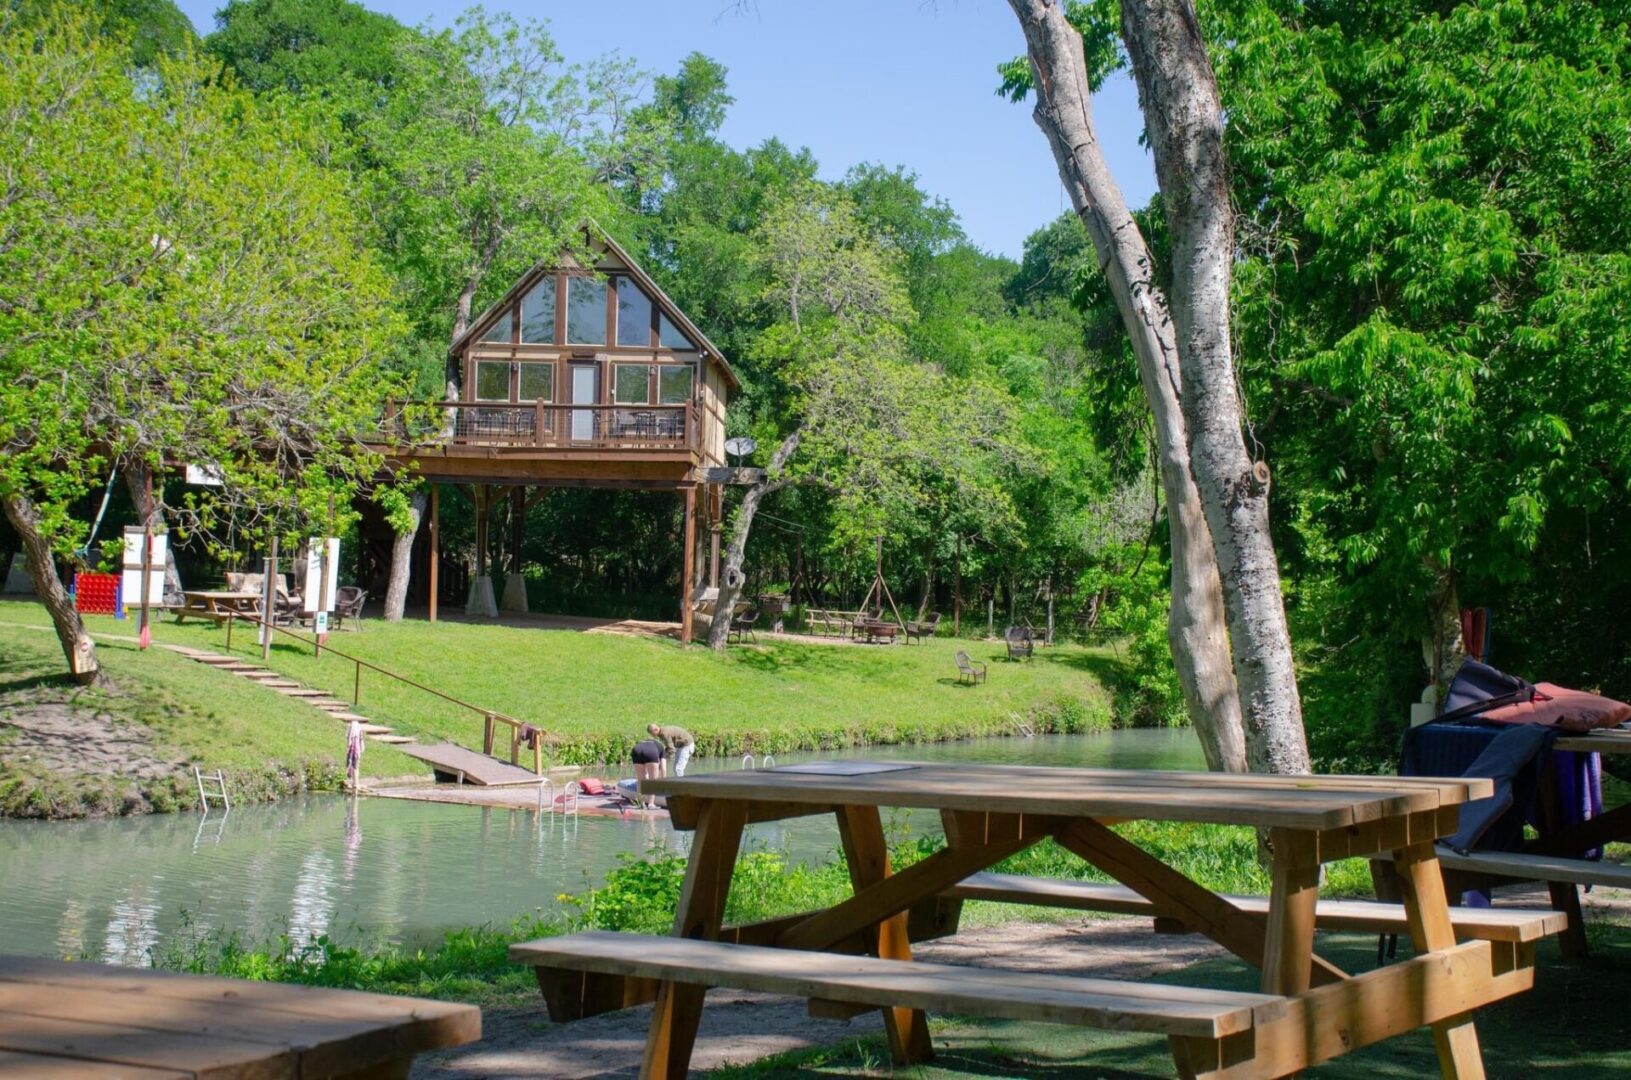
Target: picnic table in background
(1308,1010)
(218,604)
(74,1020)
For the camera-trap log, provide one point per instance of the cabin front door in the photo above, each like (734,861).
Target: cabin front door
(584,379)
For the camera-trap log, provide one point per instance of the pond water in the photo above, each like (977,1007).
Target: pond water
(371,870)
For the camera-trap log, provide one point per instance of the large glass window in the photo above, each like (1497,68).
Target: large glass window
(501,329)
(536,382)
(670,337)
(586,311)
(538,312)
(674,384)
(492,380)
(633,314)
(632,385)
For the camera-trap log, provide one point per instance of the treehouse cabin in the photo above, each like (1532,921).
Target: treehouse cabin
(577,377)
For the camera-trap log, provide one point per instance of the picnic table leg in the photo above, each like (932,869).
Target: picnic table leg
(1421,886)
(867,853)
(701,911)
(1288,947)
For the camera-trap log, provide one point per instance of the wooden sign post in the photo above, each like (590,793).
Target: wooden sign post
(143,577)
(322,571)
(269,602)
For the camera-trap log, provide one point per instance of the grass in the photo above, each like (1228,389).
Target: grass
(1572,1024)
(595,693)
(178,712)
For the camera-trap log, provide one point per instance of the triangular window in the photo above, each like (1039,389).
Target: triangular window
(501,329)
(669,336)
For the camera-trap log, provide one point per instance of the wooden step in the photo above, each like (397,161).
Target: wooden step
(1368,916)
(866,980)
(394,740)
(1524,867)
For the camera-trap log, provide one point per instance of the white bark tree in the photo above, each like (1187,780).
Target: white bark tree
(1196,624)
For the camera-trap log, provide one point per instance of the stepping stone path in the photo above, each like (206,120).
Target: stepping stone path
(321,700)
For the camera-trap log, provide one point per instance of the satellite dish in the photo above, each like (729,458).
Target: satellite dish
(741,446)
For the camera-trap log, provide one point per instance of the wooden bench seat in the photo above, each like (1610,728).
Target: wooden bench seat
(868,981)
(1215,1034)
(1526,867)
(1369,916)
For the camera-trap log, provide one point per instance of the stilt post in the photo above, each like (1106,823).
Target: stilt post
(435,552)
(688,564)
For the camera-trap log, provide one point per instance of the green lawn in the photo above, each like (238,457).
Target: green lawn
(165,708)
(596,692)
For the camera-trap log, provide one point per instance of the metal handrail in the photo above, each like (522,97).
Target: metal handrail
(318,647)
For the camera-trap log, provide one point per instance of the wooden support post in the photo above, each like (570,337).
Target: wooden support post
(1421,887)
(957,588)
(701,911)
(268,602)
(518,526)
(687,564)
(716,511)
(1288,946)
(435,546)
(867,852)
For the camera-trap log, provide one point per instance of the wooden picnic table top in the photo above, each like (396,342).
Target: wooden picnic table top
(1297,802)
(1605,741)
(220,594)
(63,1019)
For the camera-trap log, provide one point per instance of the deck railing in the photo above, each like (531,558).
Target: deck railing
(543,425)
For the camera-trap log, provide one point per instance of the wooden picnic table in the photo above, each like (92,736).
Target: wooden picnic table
(1556,855)
(1308,1009)
(218,604)
(70,1020)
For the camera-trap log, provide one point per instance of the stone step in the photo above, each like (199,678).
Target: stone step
(347,717)
(308,692)
(280,684)
(375,729)
(394,740)
(215,660)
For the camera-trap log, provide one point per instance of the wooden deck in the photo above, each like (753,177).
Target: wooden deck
(470,767)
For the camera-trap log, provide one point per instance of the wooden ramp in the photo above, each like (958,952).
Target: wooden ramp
(468,767)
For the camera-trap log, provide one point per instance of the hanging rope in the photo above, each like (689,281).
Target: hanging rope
(84,550)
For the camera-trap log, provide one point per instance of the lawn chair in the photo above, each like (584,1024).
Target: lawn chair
(1020,645)
(972,670)
(348,601)
(922,628)
(742,623)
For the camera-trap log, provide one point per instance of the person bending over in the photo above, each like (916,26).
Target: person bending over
(677,741)
(649,764)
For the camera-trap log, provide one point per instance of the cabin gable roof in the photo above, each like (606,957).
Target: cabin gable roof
(627,265)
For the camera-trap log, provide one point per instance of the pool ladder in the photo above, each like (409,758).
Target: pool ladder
(768,762)
(546,795)
(216,789)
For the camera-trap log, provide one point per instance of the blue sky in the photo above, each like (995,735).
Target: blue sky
(899,82)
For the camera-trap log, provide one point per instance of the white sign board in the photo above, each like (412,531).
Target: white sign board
(313,584)
(130,581)
(205,475)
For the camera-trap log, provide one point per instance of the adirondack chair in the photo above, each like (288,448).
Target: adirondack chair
(922,628)
(1020,645)
(972,670)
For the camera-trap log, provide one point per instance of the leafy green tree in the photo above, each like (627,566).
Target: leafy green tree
(182,281)
(325,48)
(1434,301)
(149,29)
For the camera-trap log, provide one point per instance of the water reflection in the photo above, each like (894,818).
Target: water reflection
(373,869)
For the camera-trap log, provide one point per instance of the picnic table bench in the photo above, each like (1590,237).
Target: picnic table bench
(857,955)
(69,1020)
(218,604)
(1556,855)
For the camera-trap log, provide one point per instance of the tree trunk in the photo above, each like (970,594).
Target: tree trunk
(1183,116)
(77,646)
(1196,621)
(138,478)
(1443,649)
(730,578)
(396,590)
